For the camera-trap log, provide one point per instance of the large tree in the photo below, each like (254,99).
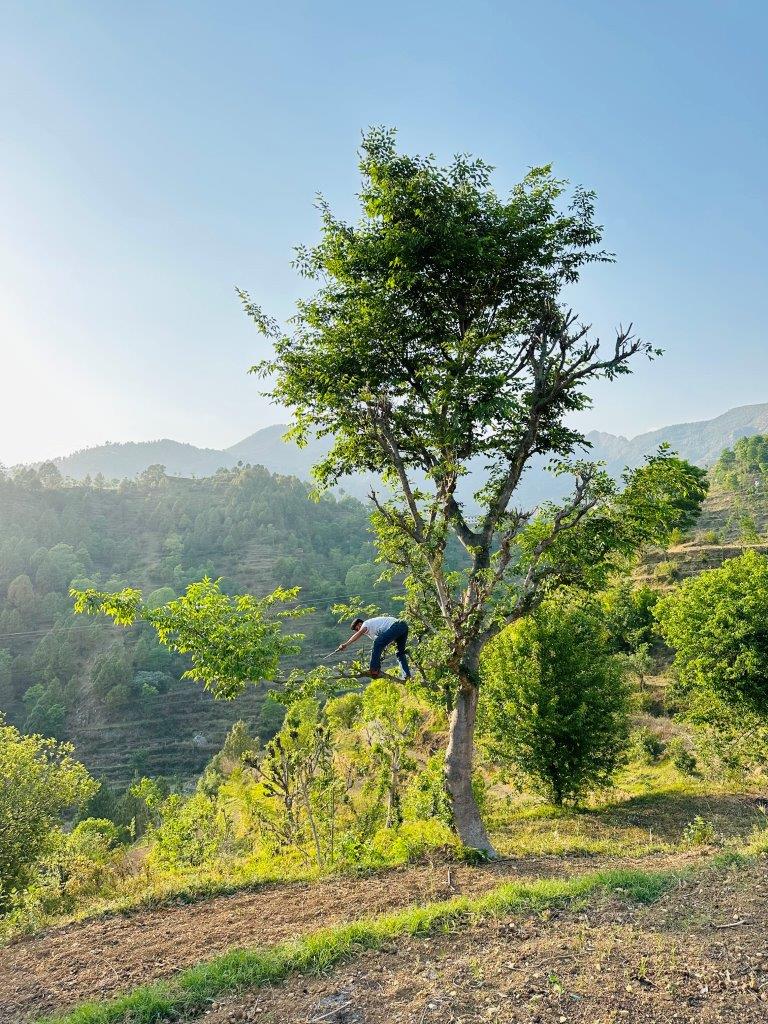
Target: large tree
(436,346)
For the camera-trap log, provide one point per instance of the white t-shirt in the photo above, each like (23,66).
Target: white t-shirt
(379,624)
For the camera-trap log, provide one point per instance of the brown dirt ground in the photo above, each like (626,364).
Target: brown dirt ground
(699,954)
(105,956)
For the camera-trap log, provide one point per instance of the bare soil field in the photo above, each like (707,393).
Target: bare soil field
(59,968)
(700,954)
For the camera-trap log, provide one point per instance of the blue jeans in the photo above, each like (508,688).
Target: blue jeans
(397,634)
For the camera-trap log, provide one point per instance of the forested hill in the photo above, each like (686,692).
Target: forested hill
(117,693)
(699,442)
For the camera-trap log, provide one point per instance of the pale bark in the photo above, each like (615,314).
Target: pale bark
(458,770)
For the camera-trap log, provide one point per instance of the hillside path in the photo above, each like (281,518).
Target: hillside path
(105,956)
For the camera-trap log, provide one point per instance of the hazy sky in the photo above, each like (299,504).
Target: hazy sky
(153,155)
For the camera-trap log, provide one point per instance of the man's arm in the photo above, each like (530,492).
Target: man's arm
(355,636)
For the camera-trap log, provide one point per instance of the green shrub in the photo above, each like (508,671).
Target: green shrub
(699,832)
(651,703)
(413,841)
(554,701)
(425,797)
(628,614)
(39,779)
(682,758)
(190,833)
(716,624)
(649,745)
(666,570)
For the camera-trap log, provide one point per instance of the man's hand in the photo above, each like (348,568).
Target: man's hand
(342,647)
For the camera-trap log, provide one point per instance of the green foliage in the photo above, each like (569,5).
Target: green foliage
(744,465)
(554,702)
(40,780)
(412,841)
(649,745)
(699,832)
(628,615)
(748,531)
(390,721)
(664,495)
(682,758)
(191,832)
(716,624)
(665,570)
(231,640)
(433,241)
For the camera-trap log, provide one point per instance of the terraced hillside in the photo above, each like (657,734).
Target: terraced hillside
(117,693)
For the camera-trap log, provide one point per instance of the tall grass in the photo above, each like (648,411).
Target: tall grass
(191,992)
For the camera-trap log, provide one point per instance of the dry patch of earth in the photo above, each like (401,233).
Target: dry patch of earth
(698,955)
(95,959)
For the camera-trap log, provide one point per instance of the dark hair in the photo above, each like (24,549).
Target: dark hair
(356,624)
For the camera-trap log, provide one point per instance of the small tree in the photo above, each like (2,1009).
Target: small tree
(387,721)
(300,783)
(555,703)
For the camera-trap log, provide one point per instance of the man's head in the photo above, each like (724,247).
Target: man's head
(356,625)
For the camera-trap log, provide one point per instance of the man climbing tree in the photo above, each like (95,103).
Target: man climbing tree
(437,354)
(383,630)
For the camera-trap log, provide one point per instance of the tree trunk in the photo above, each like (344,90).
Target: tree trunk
(458,770)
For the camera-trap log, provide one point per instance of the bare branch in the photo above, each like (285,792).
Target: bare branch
(379,416)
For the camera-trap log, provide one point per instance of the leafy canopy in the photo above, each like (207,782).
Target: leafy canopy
(230,640)
(39,779)
(421,327)
(717,623)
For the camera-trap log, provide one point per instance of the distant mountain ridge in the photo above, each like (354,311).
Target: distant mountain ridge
(700,442)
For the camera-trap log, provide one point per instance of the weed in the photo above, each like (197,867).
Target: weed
(698,832)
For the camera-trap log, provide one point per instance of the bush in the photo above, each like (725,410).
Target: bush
(40,779)
(190,833)
(682,758)
(425,797)
(651,703)
(96,836)
(716,624)
(698,832)
(650,746)
(413,841)
(554,700)
(665,570)
(628,614)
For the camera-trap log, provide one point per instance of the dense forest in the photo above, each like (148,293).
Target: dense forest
(117,693)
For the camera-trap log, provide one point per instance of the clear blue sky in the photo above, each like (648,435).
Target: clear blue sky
(154,155)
